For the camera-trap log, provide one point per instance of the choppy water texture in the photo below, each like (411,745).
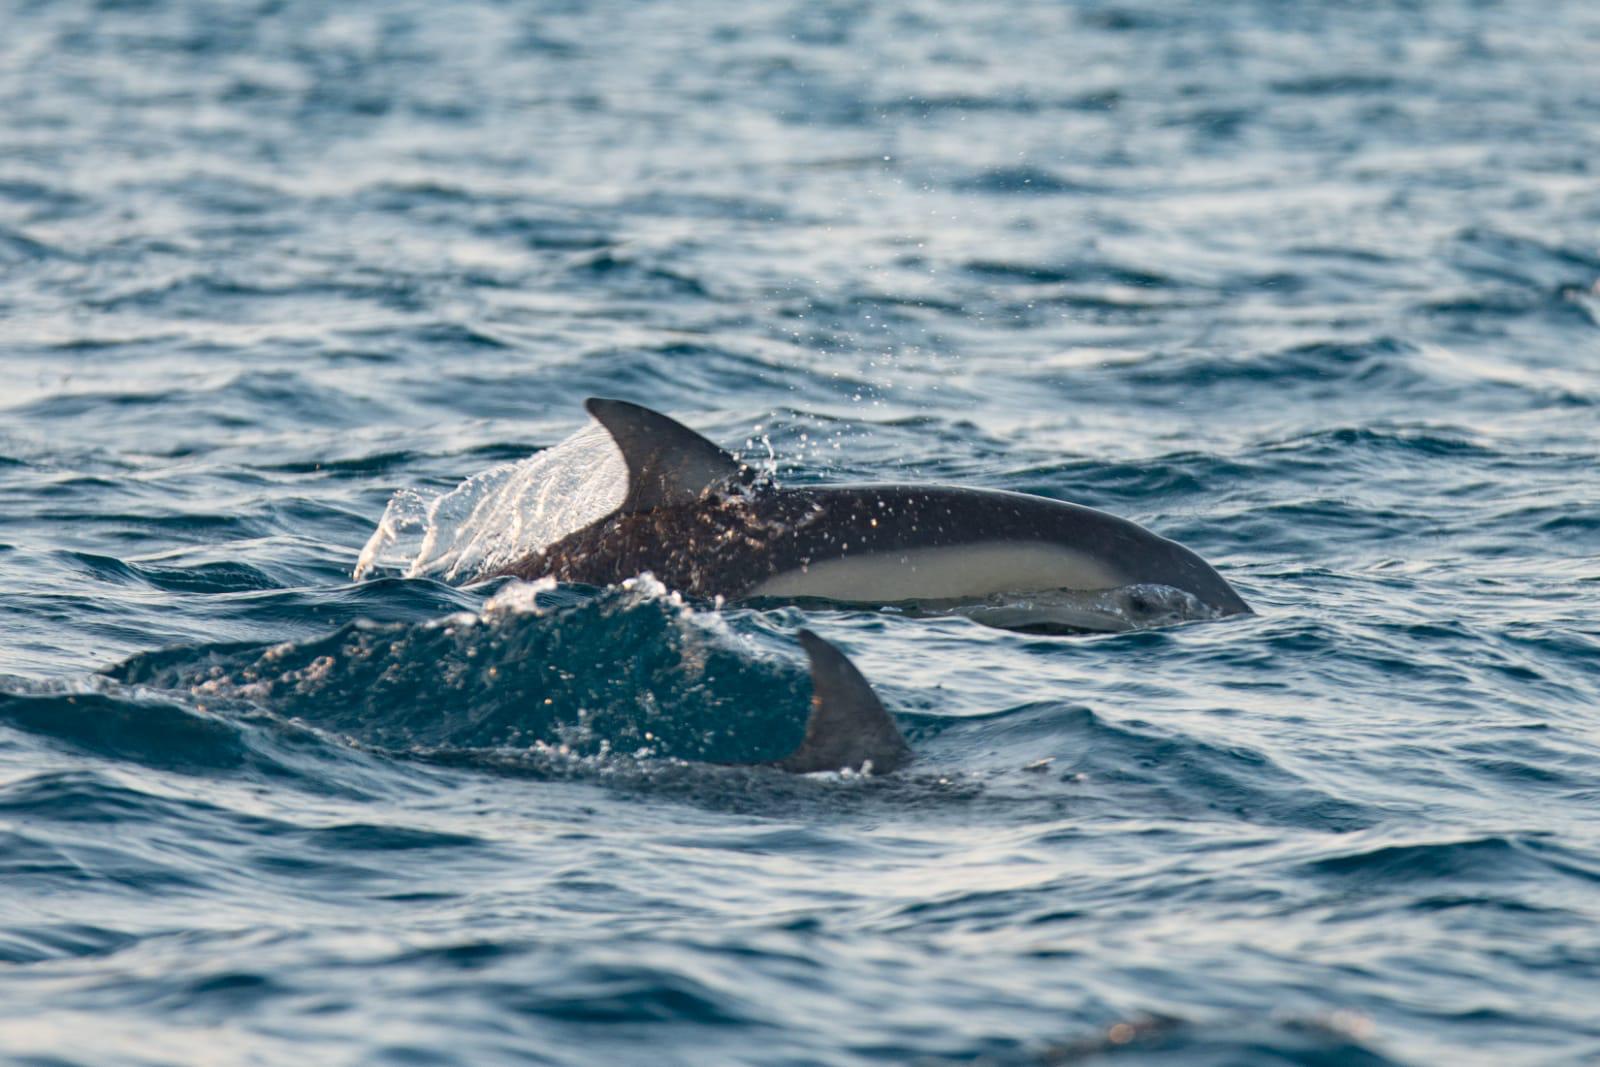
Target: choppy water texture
(1309,287)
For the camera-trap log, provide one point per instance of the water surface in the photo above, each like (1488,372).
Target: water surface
(1310,288)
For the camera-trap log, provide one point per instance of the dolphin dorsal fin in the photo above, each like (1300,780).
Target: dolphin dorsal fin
(668,463)
(848,727)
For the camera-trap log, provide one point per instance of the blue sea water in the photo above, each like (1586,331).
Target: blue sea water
(1309,287)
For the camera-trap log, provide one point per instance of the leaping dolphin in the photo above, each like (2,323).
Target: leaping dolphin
(704,524)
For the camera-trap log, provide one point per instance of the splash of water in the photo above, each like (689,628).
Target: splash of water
(501,515)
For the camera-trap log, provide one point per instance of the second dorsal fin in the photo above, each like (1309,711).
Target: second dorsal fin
(849,727)
(668,463)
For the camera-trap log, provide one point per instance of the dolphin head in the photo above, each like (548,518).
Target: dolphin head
(1169,563)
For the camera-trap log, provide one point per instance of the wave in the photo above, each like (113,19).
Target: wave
(629,670)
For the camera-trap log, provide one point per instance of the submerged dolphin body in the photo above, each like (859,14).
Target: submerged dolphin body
(848,728)
(705,525)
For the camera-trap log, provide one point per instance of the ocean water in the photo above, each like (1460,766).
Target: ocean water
(1309,287)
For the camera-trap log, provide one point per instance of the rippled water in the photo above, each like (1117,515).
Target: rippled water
(1310,288)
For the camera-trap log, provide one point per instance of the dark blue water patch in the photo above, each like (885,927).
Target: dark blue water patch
(45,200)
(1376,363)
(1131,762)
(625,995)
(76,487)
(1063,273)
(35,867)
(1339,84)
(845,326)
(160,733)
(1176,480)
(247,401)
(1361,378)
(209,578)
(555,234)
(1484,860)
(631,275)
(34,944)
(1243,1043)
(18,248)
(1523,260)
(358,837)
(1566,653)
(209,736)
(1024,101)
(92,798)
(1026,181)
(456,335)
(306,611)
(615,673)
(219,577)
(294,867)
(679,369)
(1127,18)
(676,204)
(1421,444)
(221,995)
(72,405)
(410,599)
(1296,528)
(154,839)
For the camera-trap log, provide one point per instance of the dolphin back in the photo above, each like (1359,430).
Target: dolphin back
(667,462)
(849,727)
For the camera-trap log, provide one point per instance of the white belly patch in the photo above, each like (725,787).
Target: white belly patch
(944,573)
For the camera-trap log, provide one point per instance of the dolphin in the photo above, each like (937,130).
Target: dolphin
(848,728)
(703,523)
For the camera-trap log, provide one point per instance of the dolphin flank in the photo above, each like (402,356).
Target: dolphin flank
(704,524)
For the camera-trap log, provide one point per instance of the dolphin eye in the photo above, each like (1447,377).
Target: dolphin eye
(1138,603)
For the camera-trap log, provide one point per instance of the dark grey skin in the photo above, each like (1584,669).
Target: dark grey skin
(848,730)
(704,525)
